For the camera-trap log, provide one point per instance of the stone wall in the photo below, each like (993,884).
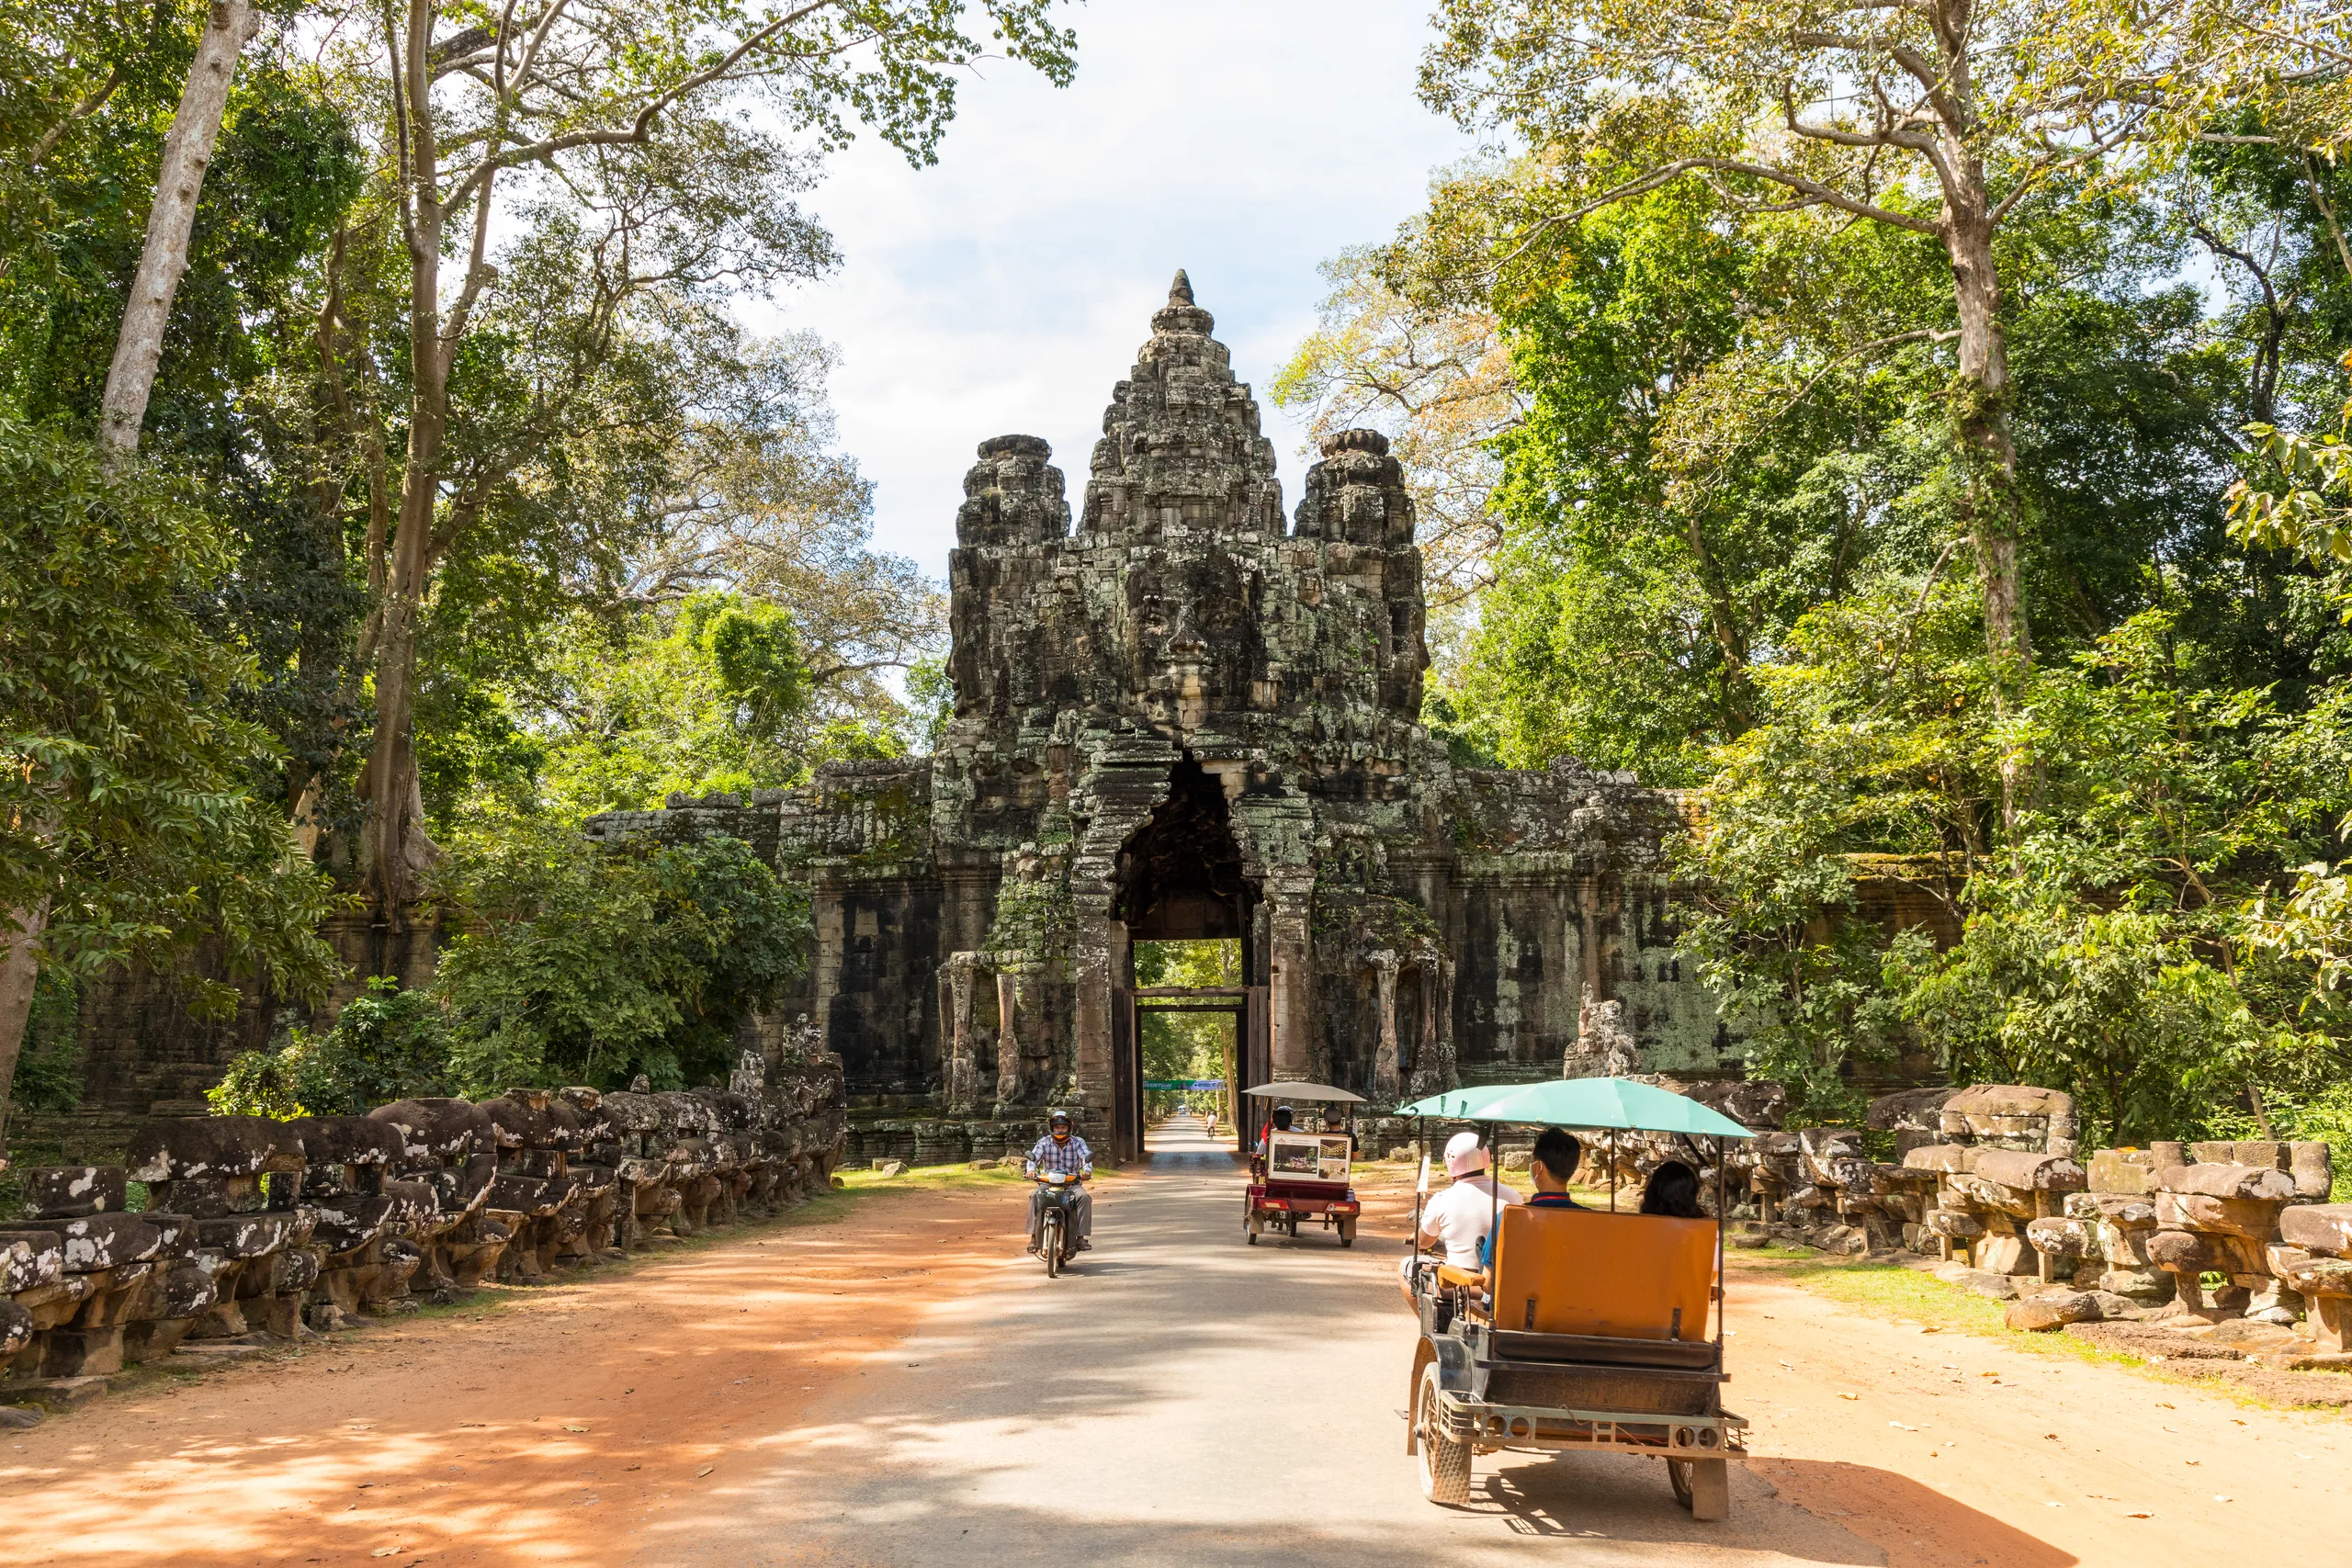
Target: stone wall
(257,1231)
(2230,1243)
(144,1052)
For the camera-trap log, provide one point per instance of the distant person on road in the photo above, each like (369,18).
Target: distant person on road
(1673,1191)
(1063,1152)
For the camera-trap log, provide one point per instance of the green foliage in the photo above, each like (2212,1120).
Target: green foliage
(122,761)
(257,1083)
(387,1043)
(1186,1044)
(584,965)
(1734,419)
(2102,932)
(931,704)
(48,1071)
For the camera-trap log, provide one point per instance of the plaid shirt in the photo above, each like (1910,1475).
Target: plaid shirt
(1073,1158)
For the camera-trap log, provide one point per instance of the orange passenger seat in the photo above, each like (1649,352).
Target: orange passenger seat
(1616,1276)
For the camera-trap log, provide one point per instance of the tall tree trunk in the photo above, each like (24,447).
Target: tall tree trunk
(19,967)
(395,852)
(1989,500)
(1981,415)
(139,346)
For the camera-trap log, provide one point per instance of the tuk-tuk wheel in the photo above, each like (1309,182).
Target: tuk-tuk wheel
(1445,1463)
(1701,1485)
(1347,1231)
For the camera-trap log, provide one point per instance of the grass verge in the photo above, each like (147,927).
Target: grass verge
(1910,1295)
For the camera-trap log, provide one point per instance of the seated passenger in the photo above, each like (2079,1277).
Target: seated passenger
(1555,1160)
(1281,1123)
(1459,1218)
(1335,1125)
(1673,1191)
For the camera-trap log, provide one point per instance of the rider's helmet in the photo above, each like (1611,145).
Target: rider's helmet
(1058,1123)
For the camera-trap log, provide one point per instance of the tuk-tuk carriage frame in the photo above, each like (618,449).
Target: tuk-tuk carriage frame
(1480,1386)
(1273,1203)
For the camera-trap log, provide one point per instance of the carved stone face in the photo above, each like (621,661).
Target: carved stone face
(1190,631)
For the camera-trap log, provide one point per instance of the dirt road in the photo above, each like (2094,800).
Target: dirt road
(904,1389)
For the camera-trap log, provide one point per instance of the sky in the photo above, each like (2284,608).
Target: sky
(1005,289)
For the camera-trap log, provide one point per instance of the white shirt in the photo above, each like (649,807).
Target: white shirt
(1458,1218)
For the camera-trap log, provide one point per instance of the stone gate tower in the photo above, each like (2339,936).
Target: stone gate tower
(1180,718)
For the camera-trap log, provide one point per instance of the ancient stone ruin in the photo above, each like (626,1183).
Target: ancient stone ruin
(258,1231)
(2231,1247)
(1177,717)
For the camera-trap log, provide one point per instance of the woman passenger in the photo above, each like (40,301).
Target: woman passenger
(1673,1191)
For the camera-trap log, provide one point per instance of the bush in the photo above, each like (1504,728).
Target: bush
(386,1044)
(587,964)
(259,1083)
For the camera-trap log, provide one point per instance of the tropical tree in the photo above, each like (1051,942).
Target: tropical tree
(1935,117)
(127,829)
(609,130)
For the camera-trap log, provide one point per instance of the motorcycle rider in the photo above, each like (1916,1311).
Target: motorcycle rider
(1063,1151)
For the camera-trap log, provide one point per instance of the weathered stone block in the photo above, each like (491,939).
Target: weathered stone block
(2003,1255)
(2321,1227)
(2122,1170)
(170,1148)
(2257,1220)
(2047,1314)
(2254,1183)
(2148,1287)
(2314,1168)
(104,1240)
(29,1258)
(62,1191)
(81,1352)
(2057,1238)
(2028,1172)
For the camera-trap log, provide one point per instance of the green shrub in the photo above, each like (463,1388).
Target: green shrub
(586,964)
(259,1083)
(386,1044)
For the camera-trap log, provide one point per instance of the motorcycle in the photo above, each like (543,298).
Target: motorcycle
(1058,1226)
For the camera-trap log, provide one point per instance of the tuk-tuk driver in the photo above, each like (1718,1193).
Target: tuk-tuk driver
(1458,1218)
(1060,1150)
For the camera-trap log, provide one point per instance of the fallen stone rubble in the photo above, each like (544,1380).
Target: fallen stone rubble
(258,1231)
(2220,1250)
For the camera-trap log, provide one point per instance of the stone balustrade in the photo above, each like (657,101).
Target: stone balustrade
(258,1230)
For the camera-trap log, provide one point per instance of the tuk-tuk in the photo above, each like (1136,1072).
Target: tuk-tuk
(1302,1173)
(1593,1332)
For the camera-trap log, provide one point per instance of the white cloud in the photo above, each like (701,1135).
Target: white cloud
(1007,288)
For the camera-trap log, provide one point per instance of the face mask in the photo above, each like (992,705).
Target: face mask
(1061,1134)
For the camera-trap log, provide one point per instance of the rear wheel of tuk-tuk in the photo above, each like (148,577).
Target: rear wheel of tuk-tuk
(1445,1463)
(1348,1231)
(1701,1485)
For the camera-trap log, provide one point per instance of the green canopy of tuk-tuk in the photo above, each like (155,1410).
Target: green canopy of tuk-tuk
(1580,1102)
(1460,1104)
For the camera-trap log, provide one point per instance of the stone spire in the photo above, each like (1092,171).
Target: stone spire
(1180,448)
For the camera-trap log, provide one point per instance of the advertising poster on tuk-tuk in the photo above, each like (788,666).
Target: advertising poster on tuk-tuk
(1307,1157)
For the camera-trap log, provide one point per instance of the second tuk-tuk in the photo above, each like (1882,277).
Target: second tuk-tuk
(1302,1173)
(1593,1331)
